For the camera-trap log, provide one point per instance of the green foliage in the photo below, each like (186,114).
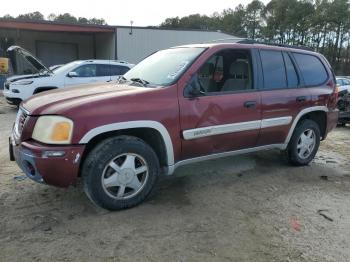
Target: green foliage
(62,18)
(323,25)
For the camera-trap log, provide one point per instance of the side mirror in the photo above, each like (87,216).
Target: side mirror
(72,74)
(194,88)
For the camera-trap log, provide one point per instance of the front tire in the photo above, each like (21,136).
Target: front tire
(304,143)
(120,172)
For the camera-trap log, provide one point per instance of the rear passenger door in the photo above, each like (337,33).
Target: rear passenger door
(283,95)
(103,73)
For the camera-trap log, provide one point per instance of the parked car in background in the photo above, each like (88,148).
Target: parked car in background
(19,88)
(344,83)
(178,106)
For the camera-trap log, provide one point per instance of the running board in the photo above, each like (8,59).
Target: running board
(171,169)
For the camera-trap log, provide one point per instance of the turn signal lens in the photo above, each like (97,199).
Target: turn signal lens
(61,131)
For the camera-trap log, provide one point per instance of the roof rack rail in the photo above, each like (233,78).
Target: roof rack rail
(226,40)
(250,41)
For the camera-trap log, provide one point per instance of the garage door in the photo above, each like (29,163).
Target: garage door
(56,53)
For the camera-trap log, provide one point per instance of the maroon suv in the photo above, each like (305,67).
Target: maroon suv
(178,106)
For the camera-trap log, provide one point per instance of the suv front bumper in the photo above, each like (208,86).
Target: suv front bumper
(10,98)
(35,161)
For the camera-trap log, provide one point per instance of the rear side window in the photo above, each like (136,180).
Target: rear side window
(118,70)
(312,69)
(274,70)
(103,70)
(292,76)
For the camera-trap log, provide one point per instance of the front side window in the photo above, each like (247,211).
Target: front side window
(164,67)
(86,71)
(227,71)
(340,82)
(273,69)
(312,69)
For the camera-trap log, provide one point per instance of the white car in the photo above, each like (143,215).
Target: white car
(344,83)
(19,88)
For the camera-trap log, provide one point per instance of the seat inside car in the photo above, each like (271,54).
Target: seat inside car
(205,77)
(238,76)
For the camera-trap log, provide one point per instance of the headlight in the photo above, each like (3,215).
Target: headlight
(53,130)
(23,82)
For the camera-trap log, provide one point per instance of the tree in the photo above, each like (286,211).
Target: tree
(253,18)
(31,16)
(321,24)
(66,18)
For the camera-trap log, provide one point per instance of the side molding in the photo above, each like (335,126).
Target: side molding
(220,129)
(134,124)
(297,118)
(235,127)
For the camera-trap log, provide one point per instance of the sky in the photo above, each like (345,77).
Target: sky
(117,12)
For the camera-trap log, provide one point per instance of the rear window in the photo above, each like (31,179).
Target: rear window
(312,69)
(274,70)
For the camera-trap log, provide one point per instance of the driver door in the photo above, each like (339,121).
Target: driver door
(226,114)
(85,74)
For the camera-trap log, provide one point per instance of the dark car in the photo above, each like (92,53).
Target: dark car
(178,106)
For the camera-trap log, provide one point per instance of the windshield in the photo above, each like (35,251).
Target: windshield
(164,67)
(65,68)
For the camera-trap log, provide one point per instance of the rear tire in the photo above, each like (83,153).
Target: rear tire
(120,172)
(304,143)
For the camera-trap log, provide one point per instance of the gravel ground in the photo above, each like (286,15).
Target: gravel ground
(248,208)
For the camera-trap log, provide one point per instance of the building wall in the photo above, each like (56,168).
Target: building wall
(27,40)
(142,42)
(105,46)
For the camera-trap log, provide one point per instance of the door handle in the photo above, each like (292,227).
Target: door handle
(301,98)
(249,104)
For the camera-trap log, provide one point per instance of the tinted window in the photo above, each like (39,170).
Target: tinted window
(311,69)
(118,70)
(292,76)
(103,70)
(273,68)
(86,71)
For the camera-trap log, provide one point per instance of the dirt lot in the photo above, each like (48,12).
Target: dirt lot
(248,208)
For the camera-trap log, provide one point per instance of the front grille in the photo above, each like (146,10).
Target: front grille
(20,122)
(7,85)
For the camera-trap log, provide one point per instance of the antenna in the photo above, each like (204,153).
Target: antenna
(131,22)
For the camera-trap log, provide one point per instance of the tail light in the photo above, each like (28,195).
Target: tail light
(333,98)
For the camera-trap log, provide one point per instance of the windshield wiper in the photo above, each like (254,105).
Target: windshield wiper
(139,80)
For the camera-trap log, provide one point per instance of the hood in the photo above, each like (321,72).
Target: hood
(35,62)
(60,101)
(15,78)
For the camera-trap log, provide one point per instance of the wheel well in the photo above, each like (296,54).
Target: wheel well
(320,117)
(149,135)
(44,88)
